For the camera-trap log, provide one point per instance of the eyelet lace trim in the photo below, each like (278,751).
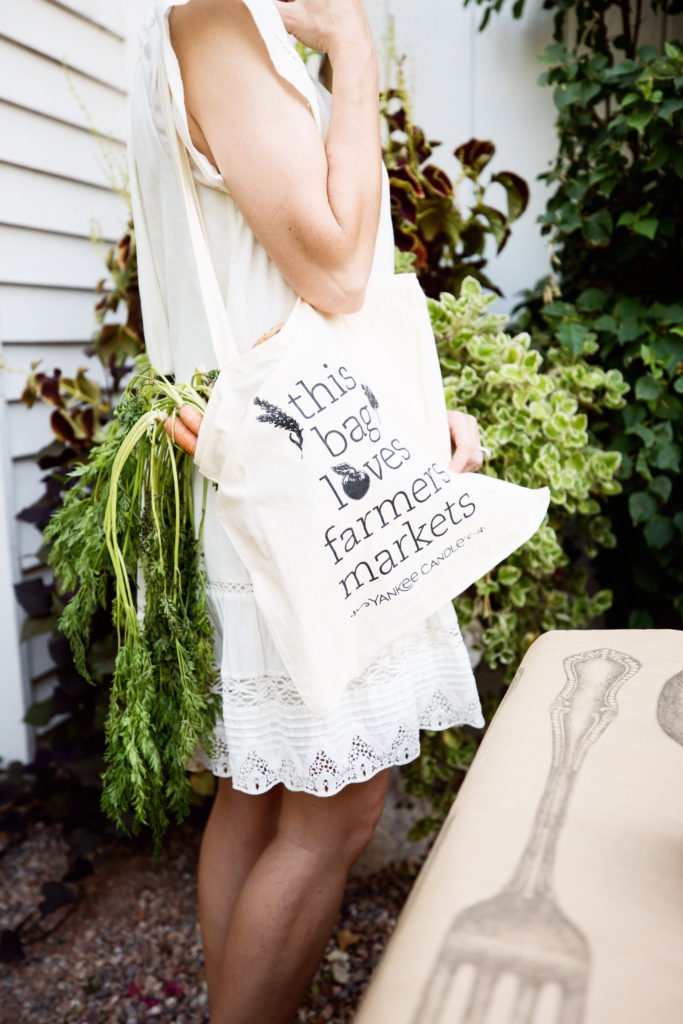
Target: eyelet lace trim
(267,733)
(326,775)
(230,588)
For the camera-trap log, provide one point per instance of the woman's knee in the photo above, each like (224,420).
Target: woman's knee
(244,812)
(366,810)
(337,827)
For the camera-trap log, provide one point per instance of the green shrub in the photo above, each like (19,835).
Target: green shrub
(533,413)
(615,216)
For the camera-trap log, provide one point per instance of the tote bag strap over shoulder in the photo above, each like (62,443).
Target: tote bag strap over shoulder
(222,338)
(289,66)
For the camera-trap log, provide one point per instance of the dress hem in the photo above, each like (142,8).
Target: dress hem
(362,772)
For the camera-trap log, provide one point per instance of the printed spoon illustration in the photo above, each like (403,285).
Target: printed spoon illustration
(522,931)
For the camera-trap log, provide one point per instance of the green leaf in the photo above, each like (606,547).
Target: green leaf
(659,532)
(647,227)
(629,306)
(556,53)
(667,456)
(597,229)
(642,507)
(591,299)
(640,619)
(509,575)
(629,98)
(646,435)
(517,192)
(574,336)
(669,108)
(496,220)
(629,329)
(606,322)
(39,714)
(661,486)
(670,408)
(576,189)
(633,414)
(678,385)
(648,389)
(640,121)
(564,95)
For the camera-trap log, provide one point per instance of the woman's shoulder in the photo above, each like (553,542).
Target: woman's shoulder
(226,21)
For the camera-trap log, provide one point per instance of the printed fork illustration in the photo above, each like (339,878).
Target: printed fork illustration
(522,931)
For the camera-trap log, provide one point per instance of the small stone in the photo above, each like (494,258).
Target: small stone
(340,973)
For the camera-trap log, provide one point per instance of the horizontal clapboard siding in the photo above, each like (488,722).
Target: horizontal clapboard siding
(30,256)
(56,314)
(36,199)
(101,13)
(54,147)
(64,70)
(39,84)
(39,26)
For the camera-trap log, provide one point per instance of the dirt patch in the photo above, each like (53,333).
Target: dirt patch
(128,951)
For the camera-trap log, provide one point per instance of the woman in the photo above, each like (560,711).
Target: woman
(288,209)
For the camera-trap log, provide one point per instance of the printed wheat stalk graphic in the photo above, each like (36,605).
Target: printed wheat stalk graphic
(279,418)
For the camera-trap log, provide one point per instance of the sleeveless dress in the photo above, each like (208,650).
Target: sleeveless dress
(266,735)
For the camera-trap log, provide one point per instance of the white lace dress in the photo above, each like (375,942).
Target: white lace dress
(266,734)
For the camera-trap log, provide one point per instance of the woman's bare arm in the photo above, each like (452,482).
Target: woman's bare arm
(313,206)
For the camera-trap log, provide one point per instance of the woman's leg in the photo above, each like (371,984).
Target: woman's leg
(237,832)
(287,907)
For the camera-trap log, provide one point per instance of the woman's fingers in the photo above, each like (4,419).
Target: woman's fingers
(191,417)
(183,428)
(465,443)
(322,23)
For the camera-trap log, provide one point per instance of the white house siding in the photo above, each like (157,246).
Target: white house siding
(64,69)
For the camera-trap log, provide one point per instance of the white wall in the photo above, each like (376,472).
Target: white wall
(466,84)
(54,186)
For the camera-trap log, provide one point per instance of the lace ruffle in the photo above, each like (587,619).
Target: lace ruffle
(267,735)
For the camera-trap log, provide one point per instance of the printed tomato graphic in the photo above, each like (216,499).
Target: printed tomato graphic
(355,483)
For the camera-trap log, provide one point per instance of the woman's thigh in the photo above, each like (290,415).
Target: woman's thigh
(246,816)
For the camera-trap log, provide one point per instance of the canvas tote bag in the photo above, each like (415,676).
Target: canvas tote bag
(329,445)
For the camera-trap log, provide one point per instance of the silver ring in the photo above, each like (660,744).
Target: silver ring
(485,451)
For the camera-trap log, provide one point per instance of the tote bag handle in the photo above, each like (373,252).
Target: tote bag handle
(222,337)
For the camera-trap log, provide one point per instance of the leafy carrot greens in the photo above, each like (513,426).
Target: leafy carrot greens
(127,527)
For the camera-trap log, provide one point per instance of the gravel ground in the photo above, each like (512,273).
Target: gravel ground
(128,950)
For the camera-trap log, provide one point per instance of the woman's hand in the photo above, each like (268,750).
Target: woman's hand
(183,428)
(325,25)
(468,456)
